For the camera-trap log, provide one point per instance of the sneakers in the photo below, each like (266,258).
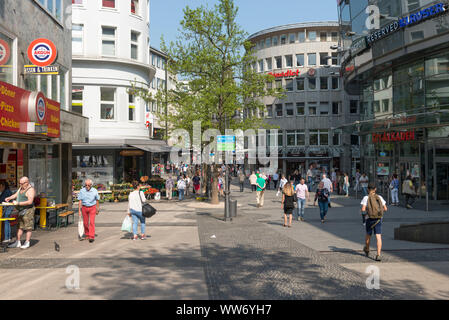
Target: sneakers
(6,240)
(143,237)
(378,258)
(91,240)
(16,244)
(26,245)
(409,206)
(366,250)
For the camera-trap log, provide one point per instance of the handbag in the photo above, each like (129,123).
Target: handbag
(147,210)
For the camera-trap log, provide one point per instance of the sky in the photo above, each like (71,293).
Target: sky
(253,15)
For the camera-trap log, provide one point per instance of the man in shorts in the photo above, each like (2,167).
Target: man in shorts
(374,206)
(24,202)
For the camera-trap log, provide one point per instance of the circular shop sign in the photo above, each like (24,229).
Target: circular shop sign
(42,52)
(4,52)
(41,107)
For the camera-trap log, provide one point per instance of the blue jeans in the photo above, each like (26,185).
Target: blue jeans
(309,183)
(181,194)
(6,214)
(324,206)
(365,191)
(301,207)
(137,216)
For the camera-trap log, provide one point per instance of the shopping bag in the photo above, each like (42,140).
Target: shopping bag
(80,228)
(157,196)
(278,193)
(127,224)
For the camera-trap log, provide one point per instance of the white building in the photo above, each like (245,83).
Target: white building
(110,45)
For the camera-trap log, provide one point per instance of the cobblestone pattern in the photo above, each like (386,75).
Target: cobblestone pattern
(248,260)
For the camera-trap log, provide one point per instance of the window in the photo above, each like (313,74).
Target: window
(77,38)
(283,39)
(134,45)
(323,83)
(153,60)
(280,138)
(289,85)
(354,140)
(300,60)
(77,99)
(334,36)
(261,44)
(385,105)
(336,139)
(158,62)
(312,83)
(324,137)
(108,41)
(269,65)
(311,58)
(108,4)
(135,7)
(132,108)
(312,35)
(300,84)
(278,62)
(289,109)
(335,108)
(278,83)
(275,41)
(323,58)
(324,108)
(313,137)
(291,137)
(261,114)
(44,84)
(279,110)
(269,85)
(335,82)
(334,56)
(260,65)
(153,83)
(54,7)
(107,103)
(323,36)
(301,36)
(353,104)
(289,61)
(268,42)
(300,138)
(312,108)
(269,111)
(54,87)
(300,108)
(291,38)
(163,62)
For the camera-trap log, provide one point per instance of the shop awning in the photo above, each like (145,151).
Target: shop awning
(155,146)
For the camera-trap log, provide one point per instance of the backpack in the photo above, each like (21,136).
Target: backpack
(374,207)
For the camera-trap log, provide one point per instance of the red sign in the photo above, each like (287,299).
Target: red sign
(288,73)
(42,52)
(19,108)
(393,136)
(4,52)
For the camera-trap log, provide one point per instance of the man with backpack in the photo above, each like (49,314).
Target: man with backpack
(374,206)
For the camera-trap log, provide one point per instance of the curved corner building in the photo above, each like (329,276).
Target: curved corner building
(302,60)
(398,62)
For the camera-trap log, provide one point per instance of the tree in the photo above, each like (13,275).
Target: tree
(213,58)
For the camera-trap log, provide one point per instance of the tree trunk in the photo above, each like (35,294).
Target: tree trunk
(214,185)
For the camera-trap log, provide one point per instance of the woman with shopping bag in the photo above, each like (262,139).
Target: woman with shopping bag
(135,200)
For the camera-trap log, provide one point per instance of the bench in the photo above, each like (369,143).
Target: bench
(66,215)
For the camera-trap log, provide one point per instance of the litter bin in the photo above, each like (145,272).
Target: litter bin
(233,208)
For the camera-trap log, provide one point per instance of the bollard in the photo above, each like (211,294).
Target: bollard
(233,208)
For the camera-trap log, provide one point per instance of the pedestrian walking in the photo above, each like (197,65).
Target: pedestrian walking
(363,180)
(25,206)
(181,188)
(374,206)
(89,206)
(322,195)
(260,192)
(310,178)
(394,189)
(288,203)
(135,200)
(169,184)
(188,182)
(282,184)
(275,180)
(221,185)
(334,177)
(241,180)
(409,191)
(253,181)
(301,193)
(346,184)
(5,192)
(327,185)
(196,183)
(357,182)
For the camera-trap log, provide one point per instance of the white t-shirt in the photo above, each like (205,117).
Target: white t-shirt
(365,201)
(283,182)
(134,202)
(327,184)
(364,181)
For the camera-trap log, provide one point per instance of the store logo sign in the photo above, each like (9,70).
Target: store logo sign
(42,52)
(4,52)
(288,73)
(410,20)
(395,136)
(40,108)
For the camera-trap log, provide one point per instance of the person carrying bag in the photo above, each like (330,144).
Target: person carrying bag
(138,210)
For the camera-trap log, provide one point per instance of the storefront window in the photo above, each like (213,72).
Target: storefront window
(95,166)
(37,168)
(437,81)
(53,174)
(408,88)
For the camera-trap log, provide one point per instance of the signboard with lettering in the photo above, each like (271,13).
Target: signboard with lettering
(393,136)
(225,143)
(42,52)
(30,69)
(285,74)
(19,108)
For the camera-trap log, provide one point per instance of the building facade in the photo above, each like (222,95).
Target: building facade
(400,69)
(300,58)
(110,44)
(36,128)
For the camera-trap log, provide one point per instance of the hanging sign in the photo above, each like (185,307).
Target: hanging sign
(42,52)
(30,69)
